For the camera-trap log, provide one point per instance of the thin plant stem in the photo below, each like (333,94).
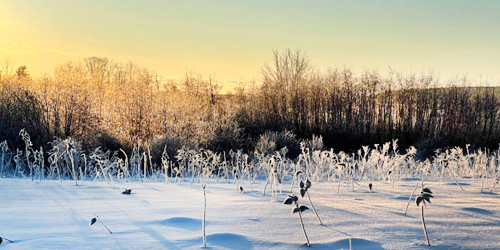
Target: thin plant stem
(314,209)
(70,155)
(409,200)
(103,224)
(265,186)
(340,178)
(204,215)
(425,228)
(453,176)
(303,228)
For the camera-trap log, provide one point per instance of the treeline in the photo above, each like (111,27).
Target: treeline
(350,110)
(110,105)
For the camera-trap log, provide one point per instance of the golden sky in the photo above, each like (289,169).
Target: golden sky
(232,40)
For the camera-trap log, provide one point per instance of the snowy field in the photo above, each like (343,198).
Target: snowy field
(54,215)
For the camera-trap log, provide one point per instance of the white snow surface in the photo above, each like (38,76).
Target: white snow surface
(55,215)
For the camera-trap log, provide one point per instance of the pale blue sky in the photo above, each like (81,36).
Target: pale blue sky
(233,39)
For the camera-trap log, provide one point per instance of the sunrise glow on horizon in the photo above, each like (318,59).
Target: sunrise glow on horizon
(232,40)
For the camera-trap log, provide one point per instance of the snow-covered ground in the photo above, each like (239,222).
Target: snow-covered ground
(54,215)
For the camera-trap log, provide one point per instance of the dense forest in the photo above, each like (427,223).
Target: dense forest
(110,105)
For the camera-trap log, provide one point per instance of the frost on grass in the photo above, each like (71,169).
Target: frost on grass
(315,170)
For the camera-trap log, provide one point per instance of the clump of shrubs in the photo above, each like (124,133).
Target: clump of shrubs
(273,141)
